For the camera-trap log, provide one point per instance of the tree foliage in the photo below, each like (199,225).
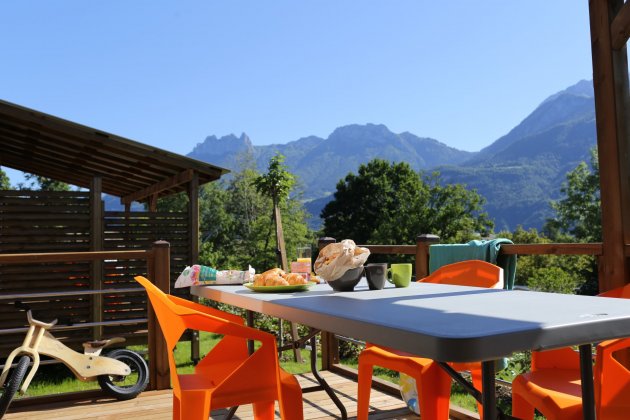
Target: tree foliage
(236,226)
(5,183)
(390,203)
(41,183)
(578,214)
(277,182)
(578,219)
(548,273)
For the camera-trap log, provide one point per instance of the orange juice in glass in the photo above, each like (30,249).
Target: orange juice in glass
(303,264)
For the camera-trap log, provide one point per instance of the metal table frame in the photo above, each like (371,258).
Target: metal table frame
(450,323)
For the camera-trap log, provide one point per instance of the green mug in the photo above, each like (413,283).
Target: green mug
(400,274)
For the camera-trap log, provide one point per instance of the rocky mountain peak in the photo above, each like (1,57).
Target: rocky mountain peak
(230,144)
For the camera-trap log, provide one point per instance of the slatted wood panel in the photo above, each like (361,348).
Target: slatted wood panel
(45,221)
(139,230)
(157,405)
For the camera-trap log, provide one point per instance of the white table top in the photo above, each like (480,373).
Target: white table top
(443,322)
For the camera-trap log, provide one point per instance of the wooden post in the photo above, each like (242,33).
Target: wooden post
(159,273)
(610,82)
(153,200)
(281,253)
(330,344)
(422,254)
(281,250)
(193,223)
(96,244)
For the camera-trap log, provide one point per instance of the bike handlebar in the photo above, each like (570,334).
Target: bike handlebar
(33,321)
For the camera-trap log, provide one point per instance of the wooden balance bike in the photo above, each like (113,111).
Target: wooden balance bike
(123,374)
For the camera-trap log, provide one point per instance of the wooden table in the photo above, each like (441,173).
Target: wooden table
(449,323)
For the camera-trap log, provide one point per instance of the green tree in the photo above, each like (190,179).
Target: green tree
(455,212)
(552,279)
(236,226)
(41,183)
(578,214)
(5,183)
(276,184)
(578,219)
(390,203)
(172,203)
(547,273)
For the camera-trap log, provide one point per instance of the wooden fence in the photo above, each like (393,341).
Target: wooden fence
(142,327)
(62,222)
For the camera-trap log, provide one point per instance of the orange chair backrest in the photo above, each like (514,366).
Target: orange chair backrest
(173,322)
(612,381)
(468,273)
(620,292)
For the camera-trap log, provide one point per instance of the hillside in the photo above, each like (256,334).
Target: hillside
(522,171)
(320,163)
(518,173)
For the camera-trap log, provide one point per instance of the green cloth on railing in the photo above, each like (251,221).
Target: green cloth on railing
(487,250)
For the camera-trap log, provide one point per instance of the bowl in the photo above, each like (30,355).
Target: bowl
(347,281)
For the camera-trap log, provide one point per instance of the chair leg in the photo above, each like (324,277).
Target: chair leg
(434,392)
(291,406)
(521,408)
(177,415)
(195,405)
(264,410)
(365,387)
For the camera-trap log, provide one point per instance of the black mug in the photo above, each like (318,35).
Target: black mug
(376,275)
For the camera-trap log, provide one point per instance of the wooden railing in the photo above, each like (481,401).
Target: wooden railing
(158,270)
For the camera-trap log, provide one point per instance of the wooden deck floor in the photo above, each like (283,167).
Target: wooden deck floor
(156,405)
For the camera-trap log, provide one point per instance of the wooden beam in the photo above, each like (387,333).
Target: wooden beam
(613,163)
(153,201)
(96,244)
(193,226)
(423,242)
(620,27)
(175,180)
(159,269)
(193,217)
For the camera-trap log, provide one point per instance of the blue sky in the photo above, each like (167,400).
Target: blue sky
(170,73)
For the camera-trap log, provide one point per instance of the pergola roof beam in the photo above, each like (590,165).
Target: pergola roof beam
(72,153)
(179,179)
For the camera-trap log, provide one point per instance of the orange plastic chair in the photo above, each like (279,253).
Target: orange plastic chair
(227,376)
(432,382)
(553,386)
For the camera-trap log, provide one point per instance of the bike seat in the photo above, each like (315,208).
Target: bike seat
(99,344)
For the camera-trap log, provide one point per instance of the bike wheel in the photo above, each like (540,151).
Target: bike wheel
(13,383)
(126,387)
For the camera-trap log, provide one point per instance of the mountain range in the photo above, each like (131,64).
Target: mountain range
(518,174)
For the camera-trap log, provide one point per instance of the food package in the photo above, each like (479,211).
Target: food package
(200,274)
(337,258)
